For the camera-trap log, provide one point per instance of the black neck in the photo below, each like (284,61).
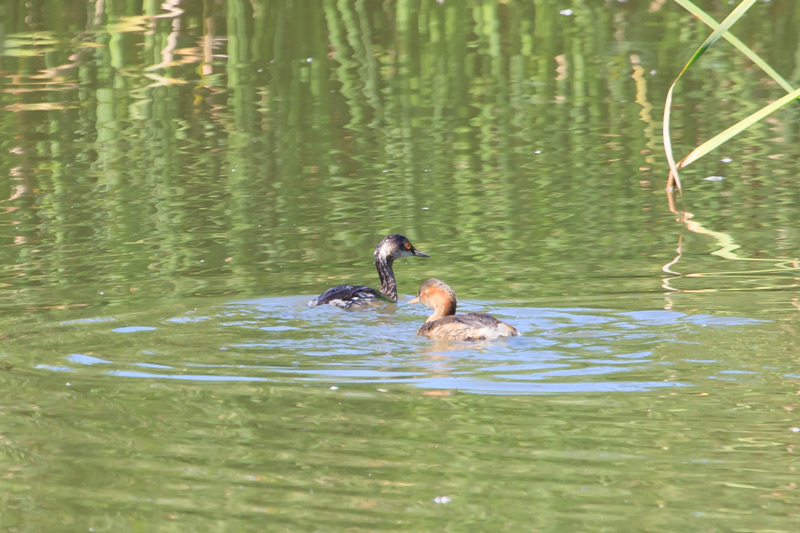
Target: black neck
(385,272)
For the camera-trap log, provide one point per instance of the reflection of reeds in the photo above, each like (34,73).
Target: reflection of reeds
(726,248)
(253,137)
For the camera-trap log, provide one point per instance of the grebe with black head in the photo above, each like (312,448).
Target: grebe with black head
(444,323)
(388,250)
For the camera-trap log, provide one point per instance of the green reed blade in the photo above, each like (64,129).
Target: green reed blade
(729,21)
(715,141)
(739,45)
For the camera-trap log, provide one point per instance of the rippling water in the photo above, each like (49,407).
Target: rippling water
(177,180)
(561,350)
(314,416)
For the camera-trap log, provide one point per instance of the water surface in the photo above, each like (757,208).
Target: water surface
(178,180)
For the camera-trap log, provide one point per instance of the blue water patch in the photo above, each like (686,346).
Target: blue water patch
(182,377)
(133,329)
(635,355)
(346,373)
(54,368)
(95,320)
(655,316)
(187,319)
(84,359)
(153,365)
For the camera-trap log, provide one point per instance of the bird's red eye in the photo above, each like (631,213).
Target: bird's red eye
(408,246)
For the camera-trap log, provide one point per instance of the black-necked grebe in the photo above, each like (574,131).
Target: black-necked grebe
(444,323)
(356,296)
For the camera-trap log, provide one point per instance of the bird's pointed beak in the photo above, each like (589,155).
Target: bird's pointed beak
(415,299)
(418,253)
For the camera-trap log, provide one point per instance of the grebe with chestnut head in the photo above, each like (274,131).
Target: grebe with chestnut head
(444,323)
(357,296)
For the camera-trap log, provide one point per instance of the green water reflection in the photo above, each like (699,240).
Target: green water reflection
(176,178)
(217,152)
(280,457)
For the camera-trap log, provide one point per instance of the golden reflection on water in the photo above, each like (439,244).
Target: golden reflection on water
(755,279)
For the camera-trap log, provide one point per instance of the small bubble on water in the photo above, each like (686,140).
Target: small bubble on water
(566,12)
(442,499)
(795,430)
(714,178)
(334,387)
(537,152)
(726,159)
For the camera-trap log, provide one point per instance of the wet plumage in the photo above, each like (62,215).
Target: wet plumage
(388,250)
(444,323)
